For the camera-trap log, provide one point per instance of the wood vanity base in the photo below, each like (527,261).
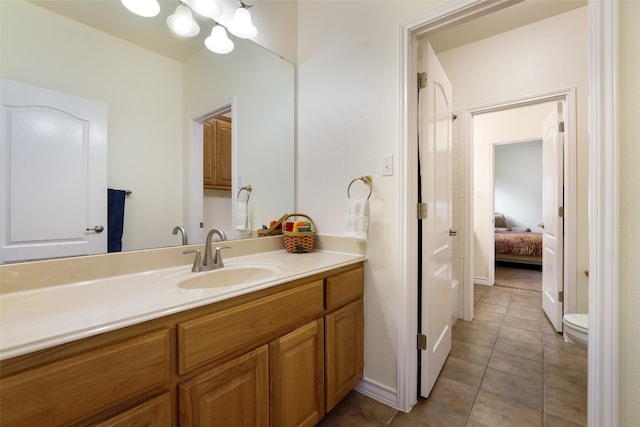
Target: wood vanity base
(282,356)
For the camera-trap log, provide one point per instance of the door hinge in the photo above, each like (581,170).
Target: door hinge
(561,211)
(561,127)
(422,210)
(422,80)
(561,296)
(422,342)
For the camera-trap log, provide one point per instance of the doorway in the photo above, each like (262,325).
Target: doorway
(202,205)
(480,144)
(517,203)
(602,42)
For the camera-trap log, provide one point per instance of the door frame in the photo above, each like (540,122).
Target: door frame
(568,97)
(603,200)
(492,195)
(195,203)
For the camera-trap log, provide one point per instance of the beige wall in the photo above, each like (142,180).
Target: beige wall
(629,245)
(348,100)
(534,59)
(44,49)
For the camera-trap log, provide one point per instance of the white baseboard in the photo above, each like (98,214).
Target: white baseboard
(480,280)
(379,392)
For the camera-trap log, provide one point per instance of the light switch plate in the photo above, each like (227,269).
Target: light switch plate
(386,165)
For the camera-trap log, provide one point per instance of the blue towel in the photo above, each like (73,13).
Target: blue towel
(115,219)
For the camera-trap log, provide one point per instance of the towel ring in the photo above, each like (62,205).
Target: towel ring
(248,189)
(366,179)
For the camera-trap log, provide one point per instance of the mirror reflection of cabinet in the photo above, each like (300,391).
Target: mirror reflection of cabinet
(217,153)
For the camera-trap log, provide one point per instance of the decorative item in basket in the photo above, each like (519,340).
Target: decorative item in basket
(299,236)
(275,227)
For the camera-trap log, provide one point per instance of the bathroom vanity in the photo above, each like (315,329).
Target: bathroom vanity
(282,353)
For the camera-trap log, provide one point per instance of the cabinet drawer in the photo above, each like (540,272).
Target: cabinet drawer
(344,288)
(210,337)
(72,389)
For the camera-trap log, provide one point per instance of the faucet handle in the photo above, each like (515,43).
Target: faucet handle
(197,263)
(217,259)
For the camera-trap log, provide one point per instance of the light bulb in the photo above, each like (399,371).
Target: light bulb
(207,8)
(241,26)
(146,8)
(182,23)
(218,41)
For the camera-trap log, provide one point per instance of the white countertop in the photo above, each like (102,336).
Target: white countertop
(35,319)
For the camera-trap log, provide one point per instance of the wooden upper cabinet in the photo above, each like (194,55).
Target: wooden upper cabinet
(217,153)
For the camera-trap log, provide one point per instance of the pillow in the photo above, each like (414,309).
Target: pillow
(500,221)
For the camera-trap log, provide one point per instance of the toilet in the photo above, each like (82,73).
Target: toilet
(576,327)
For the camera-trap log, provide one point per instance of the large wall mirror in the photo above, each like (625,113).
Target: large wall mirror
(156,103)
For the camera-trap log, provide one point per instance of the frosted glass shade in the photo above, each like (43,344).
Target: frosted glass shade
(218,41)
(146,8)
(241,26)
(182,23)
(207,8)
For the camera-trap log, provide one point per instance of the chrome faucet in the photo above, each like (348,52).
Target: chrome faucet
(181,229)
(210,262)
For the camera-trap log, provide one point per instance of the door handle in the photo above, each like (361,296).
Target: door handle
(97,229)
(541,225)
(453,233)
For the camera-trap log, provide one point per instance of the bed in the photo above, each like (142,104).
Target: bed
(516,244)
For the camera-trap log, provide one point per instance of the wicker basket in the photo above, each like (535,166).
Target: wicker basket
(302,241)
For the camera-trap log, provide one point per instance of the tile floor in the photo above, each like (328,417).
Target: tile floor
(507,367)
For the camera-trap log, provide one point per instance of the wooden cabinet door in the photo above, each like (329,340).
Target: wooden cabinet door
(233,394)
(153,413)
(217,153)
(223,152)
(297,376)
(208,153)
(344,356)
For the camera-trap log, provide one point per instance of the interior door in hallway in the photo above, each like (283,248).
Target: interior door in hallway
(552,215)
(53,157)
(435,151)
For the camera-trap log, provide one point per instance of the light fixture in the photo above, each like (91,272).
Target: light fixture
(218,41)
(207,8)
(146,8)
(241,26)
(182,23)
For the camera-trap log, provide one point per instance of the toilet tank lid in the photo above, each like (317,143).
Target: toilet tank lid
(579,320)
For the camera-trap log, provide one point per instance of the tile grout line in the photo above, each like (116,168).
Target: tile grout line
(475,397)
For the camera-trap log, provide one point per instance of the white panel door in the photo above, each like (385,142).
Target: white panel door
(54,174)
(552,204)
(435,171)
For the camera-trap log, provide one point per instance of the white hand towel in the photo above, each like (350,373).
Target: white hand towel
(241,219)
(357,220)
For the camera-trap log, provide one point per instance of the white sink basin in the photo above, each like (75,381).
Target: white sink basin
(229,276)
